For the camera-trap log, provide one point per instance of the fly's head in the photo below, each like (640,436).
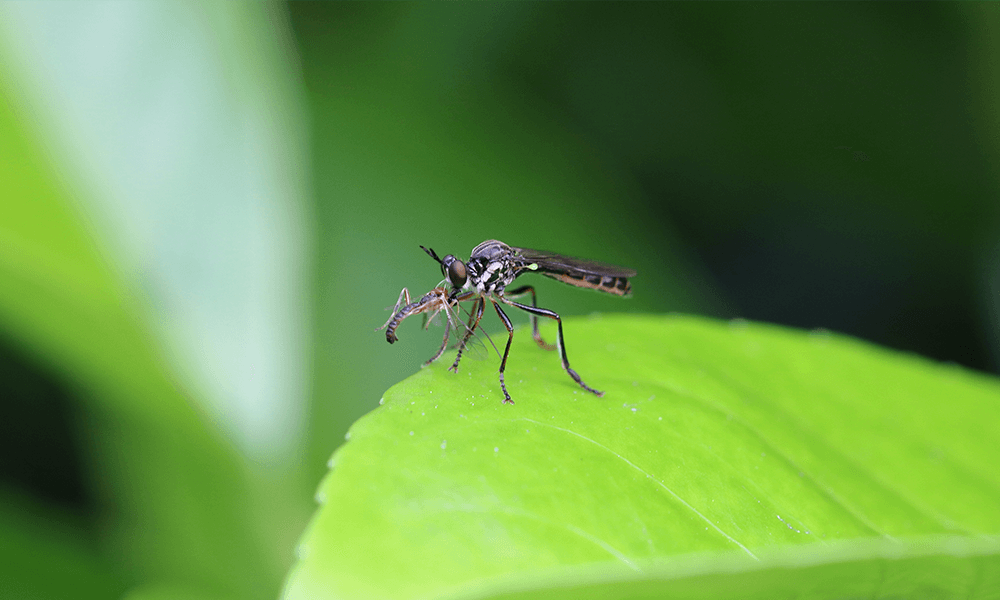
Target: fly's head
(452,268)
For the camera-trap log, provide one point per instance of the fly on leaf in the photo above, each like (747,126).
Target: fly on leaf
(492,266)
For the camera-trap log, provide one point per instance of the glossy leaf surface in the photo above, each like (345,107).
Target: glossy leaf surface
(798,457)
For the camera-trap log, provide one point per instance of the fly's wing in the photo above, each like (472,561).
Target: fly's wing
(433,318)
(579,272)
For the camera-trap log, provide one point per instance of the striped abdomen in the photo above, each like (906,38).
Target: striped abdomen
(591,274)
(434,300)
(604,283)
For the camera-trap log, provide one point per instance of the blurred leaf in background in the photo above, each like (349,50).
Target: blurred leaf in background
(813,165)
(206,208)
(154,257)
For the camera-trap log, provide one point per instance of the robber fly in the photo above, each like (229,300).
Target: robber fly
(493,266)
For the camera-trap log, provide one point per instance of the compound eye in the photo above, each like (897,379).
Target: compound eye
(457,273)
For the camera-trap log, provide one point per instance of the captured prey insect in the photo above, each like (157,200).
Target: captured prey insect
(493,266)
(432,303)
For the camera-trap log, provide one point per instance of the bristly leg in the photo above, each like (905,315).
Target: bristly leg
(525,289)
(474,317)
(544,312)
(506,351)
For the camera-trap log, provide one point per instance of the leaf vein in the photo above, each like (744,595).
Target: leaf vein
(648,476)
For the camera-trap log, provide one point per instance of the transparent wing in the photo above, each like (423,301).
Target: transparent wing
(433,319)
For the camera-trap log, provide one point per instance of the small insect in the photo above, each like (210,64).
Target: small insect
(493,266)
(432,303)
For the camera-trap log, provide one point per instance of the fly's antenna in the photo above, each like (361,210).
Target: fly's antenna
(430,252)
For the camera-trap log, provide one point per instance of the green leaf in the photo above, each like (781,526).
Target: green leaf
(798,458)
(139,188)
(189,181)
(37,541)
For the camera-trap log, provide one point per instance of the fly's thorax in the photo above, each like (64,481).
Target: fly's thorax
(491,267)
(491,276)
(490,250)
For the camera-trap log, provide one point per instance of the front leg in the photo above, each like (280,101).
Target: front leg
(474,317)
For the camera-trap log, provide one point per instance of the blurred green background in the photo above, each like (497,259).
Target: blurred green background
(206,208)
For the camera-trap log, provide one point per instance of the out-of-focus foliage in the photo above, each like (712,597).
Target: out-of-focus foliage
(818,166)
(173,177)
(130,242)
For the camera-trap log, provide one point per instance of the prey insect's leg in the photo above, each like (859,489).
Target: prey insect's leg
(397,316)
(404,294)
(544,312)
(452,321)
(444,342)
(474,318)
(534,319)
(506,351)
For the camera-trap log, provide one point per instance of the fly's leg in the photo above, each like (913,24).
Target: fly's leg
(506,351)
(534,319)
(474,318)
(544,312)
